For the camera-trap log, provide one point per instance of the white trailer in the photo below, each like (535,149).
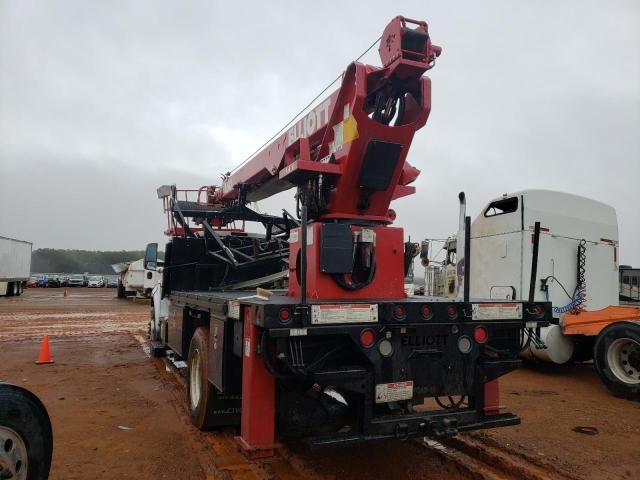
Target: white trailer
(15,265)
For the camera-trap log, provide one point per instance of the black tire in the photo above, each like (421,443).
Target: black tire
(23,413)
(582,348)
(200,393)
(121,293)
(19,289)
(9,289)
(617,359)
(209,408)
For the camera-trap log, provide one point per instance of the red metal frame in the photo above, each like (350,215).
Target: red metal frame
(388,283)
(257,425)
(492,398)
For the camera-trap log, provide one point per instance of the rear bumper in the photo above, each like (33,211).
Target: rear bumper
(419,425)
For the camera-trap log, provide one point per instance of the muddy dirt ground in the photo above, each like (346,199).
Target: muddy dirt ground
(117,413)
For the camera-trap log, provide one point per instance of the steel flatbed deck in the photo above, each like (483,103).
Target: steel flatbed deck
(413,309)
(250,297)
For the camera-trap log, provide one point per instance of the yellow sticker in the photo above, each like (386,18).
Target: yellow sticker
(350,129)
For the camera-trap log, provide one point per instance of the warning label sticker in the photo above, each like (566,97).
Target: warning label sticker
(233,309)
(353,313)
(295,234)
(393,392)
(496,311)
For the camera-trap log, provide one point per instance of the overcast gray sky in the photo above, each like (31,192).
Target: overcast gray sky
(100,102)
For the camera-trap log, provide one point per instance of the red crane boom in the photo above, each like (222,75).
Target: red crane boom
(348,155)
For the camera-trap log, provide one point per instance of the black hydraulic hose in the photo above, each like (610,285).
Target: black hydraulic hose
(534,262)
(268,361)
(340,280)
(303,256)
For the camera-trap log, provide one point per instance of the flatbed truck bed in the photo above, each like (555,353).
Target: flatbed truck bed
(396,353)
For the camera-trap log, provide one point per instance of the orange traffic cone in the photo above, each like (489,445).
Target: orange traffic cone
(45,353)
(66,293)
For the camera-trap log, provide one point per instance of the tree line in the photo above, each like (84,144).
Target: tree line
(44,260)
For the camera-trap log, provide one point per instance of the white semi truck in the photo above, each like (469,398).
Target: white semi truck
(15,265)
(576,269)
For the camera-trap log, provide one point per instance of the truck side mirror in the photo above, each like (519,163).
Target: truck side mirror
(151,256)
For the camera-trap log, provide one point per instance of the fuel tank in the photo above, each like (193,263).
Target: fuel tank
(559,346)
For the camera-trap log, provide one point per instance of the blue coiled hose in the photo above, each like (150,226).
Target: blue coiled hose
(576,305)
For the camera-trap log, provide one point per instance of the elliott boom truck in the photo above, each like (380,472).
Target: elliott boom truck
(307,326)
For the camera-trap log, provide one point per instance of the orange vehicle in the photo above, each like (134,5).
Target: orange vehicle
(615,332)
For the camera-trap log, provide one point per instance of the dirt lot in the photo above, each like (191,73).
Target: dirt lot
(118,414)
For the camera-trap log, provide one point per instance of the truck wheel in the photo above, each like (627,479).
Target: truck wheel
(26,440)
(617,359)
(200,393)
(19,288)
(9,289)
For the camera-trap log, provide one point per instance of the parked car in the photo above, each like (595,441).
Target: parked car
(76,281)
(96,281)
(112,282)
(42,281)
(64,280)
(32,282)
(52,281)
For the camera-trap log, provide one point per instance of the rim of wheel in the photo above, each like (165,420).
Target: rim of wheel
(194,379)
(13,455)
(622,358)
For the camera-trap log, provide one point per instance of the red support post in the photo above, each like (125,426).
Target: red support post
(257,428)
(492,398)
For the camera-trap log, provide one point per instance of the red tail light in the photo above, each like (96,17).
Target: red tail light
(426,311)
(452,311)
(480,334)
(367,338)
(398,312)
(285,315)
